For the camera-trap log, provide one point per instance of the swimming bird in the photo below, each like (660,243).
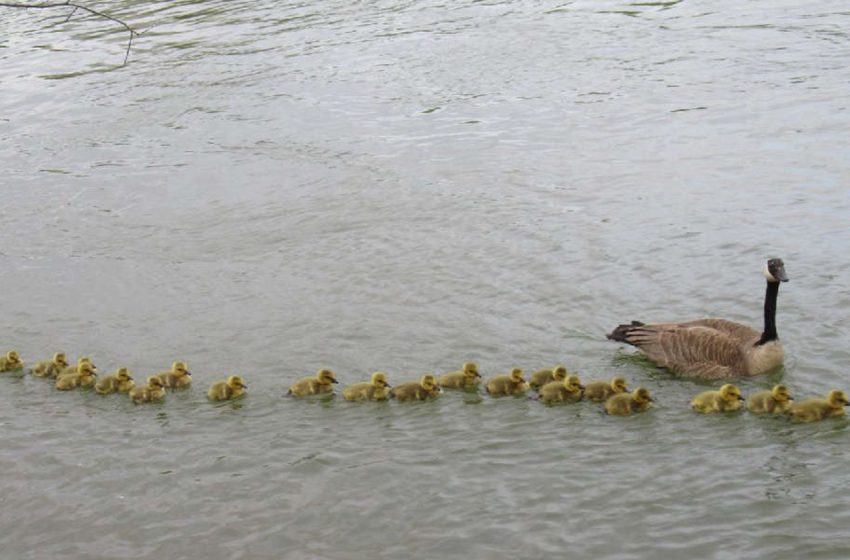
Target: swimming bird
(179,376)
(602,390)
(628,403)
(76,368)
(50,368)
(811,410)
(227,389)
(84,377)
(119,382)
(424,389)
(713,348)
(11,362)
(568,390)
(543,376)
(776,401)
(153,391)
(466,378)
(375,390)
(727,399)
(319,383)
(511,384)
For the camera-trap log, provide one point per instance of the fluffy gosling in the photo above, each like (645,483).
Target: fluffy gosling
(603,390)
(511,384)
(727,399)
(425,388)
(568,390)
(629,403)
(320,383)
(84,377)
(76,368)
(227,389)
(51,368)
(543,376)
(11,362)
(378,389)
(153,391)
(179,376)
(466,378)
(776,401)
(119,382)
(811,410)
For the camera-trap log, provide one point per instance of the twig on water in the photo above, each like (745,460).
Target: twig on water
(69,4)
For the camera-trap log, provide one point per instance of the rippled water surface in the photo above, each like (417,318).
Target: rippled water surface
(267,188)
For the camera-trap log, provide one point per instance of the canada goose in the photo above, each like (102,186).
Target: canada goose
(11,362)
(543,376)
(319,383)
(713,348)
(84,377)
(119,382)
(811,410)
(727,399)
(776,401)
(466,378)
(153,391)
(568,390)
(627,403)
(375,390)
(50,368)
(179,376)
(227,389)
(424,389)
(76,368)
(511,384)
(602,390)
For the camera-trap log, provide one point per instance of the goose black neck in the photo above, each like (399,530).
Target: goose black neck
(770,295)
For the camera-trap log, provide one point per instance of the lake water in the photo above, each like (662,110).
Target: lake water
(267,188)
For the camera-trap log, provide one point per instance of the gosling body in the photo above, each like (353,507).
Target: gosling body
(153,391)
(178,377)
(467,378)
(119,382)
(11,362)
(76,368)
(506,385)
(727,399)
(227,389)
(543,376)
(812,410)
(623,404)
(377,389)
(85,377)
(603,390)
(424,389)
(776,401)
(51,368)
(321,383)
(568,390)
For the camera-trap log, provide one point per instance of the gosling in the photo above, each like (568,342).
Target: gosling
(375,390)
(318,384)
(84,377)
(119,382)
(153,391)
(467,378)
(543,376)
(512,384)
(11,362)
(776,401)
(76,368)
(568,390)
(177,378)
(727,399)
(628,403)
(811,410)
(424,389)
(603,390)
(51,368)
(227,389)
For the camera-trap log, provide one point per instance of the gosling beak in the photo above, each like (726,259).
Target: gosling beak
(189,373)
(244,386)
(387,385)
(741,398)
(334,381)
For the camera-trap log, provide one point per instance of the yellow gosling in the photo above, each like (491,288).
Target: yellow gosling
(727,399)
(776,401)
(51,368)
(467,378)
(119,382)
(320,383)
(511,384)
(179,376)
(603,390)
(75,368)
(153,391)
(378,389)
(568,390)
(628,403)
(425,388)
(811,410)
(11,362)
(84,377)
(543,376)
(227,389)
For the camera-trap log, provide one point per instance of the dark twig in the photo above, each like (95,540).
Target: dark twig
(69,4)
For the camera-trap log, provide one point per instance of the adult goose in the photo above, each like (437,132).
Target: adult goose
(713,348)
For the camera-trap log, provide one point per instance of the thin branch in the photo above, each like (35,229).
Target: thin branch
(69,4)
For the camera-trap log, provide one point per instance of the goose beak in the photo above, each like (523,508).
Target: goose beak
(779,273)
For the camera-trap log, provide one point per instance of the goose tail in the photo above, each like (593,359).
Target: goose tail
(620,334)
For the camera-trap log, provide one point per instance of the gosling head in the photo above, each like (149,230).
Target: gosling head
(59,359)
(837,398)
(730,393)
(326,377)
(573,383)
(774,271)
(516,375)
(13,357)
(470,369)
(180,368)
(379,379)
(123,374)
(155,382)
(642,395)
(86,368)
(559,373)
(85,360)
(618,384)
(429,382)
(781,393)
(236,382)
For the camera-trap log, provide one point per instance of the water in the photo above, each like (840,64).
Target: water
(267,188)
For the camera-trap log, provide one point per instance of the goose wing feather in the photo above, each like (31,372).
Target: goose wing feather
(741,333)
(694,350)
